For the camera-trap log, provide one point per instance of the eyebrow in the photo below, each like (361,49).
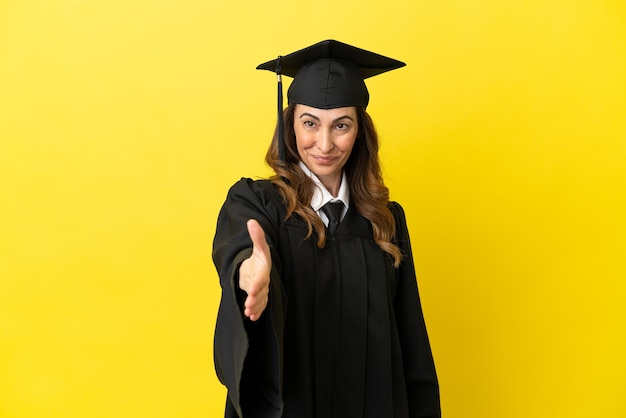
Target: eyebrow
(334,121)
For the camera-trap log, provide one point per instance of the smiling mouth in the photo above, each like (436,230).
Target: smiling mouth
(324,160)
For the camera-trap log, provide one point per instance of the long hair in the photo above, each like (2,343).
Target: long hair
(368,193)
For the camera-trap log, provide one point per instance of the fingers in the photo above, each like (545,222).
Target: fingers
(255,305)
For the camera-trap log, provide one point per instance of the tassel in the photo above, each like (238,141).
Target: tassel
(281,123)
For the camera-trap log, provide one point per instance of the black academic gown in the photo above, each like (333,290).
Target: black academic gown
(343,335)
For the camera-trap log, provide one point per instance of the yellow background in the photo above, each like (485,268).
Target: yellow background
(123,123)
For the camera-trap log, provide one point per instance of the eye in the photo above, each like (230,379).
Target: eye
(342,126)
(309,124)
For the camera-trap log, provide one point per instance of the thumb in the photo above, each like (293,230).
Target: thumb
(257,235)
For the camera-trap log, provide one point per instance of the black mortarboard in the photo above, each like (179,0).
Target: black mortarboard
(327,75)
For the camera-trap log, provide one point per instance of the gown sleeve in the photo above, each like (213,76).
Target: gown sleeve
(247,354)
(419,369)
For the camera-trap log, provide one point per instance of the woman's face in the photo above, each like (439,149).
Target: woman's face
(324,138)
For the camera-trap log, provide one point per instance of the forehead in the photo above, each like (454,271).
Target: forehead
(331,114)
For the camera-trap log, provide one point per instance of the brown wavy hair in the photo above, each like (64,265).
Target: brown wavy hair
(368,193)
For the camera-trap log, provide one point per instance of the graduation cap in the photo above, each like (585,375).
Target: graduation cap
(327,75)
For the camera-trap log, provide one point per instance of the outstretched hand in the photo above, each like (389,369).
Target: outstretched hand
(254,273)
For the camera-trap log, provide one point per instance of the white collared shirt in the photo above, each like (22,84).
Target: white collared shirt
(321,195)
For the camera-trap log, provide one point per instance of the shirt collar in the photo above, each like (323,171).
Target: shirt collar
(321,195)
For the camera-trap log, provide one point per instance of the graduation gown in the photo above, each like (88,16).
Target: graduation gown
(343,334)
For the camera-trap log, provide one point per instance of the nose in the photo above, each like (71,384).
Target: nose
(325,141)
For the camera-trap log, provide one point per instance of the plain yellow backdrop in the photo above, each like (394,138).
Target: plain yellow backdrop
(123,123)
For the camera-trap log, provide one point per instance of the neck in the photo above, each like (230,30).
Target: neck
(332,185)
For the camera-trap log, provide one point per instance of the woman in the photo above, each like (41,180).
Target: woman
(320,314)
